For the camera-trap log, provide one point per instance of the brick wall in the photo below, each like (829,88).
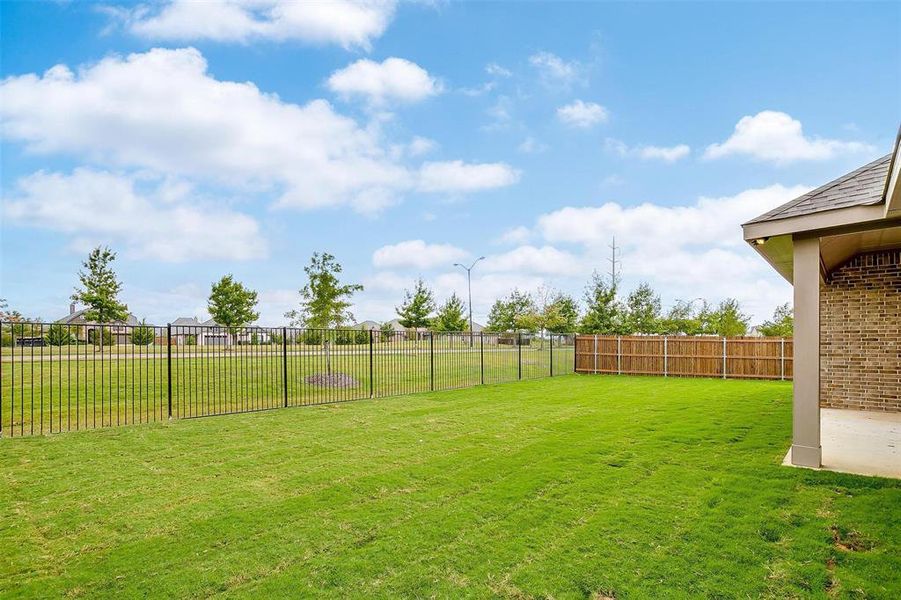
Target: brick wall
(860,334)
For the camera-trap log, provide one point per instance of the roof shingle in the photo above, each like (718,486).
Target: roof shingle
(861,187)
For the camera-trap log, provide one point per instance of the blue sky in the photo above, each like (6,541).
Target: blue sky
(199,139)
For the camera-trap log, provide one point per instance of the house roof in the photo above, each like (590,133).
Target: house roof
(186,321)
(79,314)
(860,187)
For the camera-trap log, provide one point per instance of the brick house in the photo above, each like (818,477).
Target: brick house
(840,247)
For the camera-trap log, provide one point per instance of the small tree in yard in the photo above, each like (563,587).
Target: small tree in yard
(232,305)
(58,335)
(324,299)
(418,305)
(450,315)
(603,313)
(728,319)
(142,335)
(643,306)
(513,313)
(100,288)
(99,291)
(386,332)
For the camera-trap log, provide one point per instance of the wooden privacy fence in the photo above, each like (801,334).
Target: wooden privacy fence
(685,356)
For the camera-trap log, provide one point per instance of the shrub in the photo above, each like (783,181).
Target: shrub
(95,338)
(58,335)
(312,337)
(190,340)
(142,335)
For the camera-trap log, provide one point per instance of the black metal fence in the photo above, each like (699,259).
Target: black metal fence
(60,377)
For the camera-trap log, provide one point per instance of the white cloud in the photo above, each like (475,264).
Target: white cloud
(394,79)
(153,223)
(421,145)
(665,153)
(554,71)
(348,23)
(531,146)
(582,114)
(457,176)
(417,254)
(516,235)
(776,137)
(161,110)
(532,260)
(496,70)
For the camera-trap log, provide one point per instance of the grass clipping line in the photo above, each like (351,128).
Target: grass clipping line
(333,380)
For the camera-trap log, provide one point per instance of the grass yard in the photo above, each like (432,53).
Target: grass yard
(574,487)
(47,390)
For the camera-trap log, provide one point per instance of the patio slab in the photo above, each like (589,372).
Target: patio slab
(860,442)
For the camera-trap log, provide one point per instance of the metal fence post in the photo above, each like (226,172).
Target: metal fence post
(619,355)
(782,359)
(168,363)
(482,358)
(552,354)
(724,357)
(371,380)
(432,361)
(665,358)
(519,352)
(285,363)
(595,370)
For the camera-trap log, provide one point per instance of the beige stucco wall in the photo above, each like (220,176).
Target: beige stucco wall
(860,334)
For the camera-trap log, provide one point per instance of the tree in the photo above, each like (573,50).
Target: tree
(418,305)
(562,315)
(386,332)
(782,323)
(603,313)
(516,312)
(728,319)
(142,335)
(231,304)
(100,288)
(450,315)
(643,306)
(324,299)
(58,335)
(681,318)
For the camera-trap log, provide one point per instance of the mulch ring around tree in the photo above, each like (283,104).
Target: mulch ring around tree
(334,380)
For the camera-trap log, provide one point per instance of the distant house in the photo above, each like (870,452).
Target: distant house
(88,330)
(193,331)
(367,325)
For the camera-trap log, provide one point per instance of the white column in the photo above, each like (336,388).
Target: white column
(806,450)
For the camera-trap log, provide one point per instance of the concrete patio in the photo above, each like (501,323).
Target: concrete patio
(860,442)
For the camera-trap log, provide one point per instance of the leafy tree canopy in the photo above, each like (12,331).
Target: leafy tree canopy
(603,313)
(516,312)
(643,307)
(324,299)
(450,315)
(100,288)
(418,305)
(231,304)
(782,324)
(728,320)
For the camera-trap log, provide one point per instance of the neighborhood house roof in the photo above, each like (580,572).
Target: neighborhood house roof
(861,187)
(78,317)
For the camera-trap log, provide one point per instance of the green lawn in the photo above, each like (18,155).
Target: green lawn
(573,487)
(51,389)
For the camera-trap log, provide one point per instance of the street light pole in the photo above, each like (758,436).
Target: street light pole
(469,290)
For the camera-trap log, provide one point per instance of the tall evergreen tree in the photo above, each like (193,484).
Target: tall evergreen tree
(418,306)
(324,299)
(100,288)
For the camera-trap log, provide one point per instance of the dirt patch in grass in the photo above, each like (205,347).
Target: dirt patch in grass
(850,540)
(334,380)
